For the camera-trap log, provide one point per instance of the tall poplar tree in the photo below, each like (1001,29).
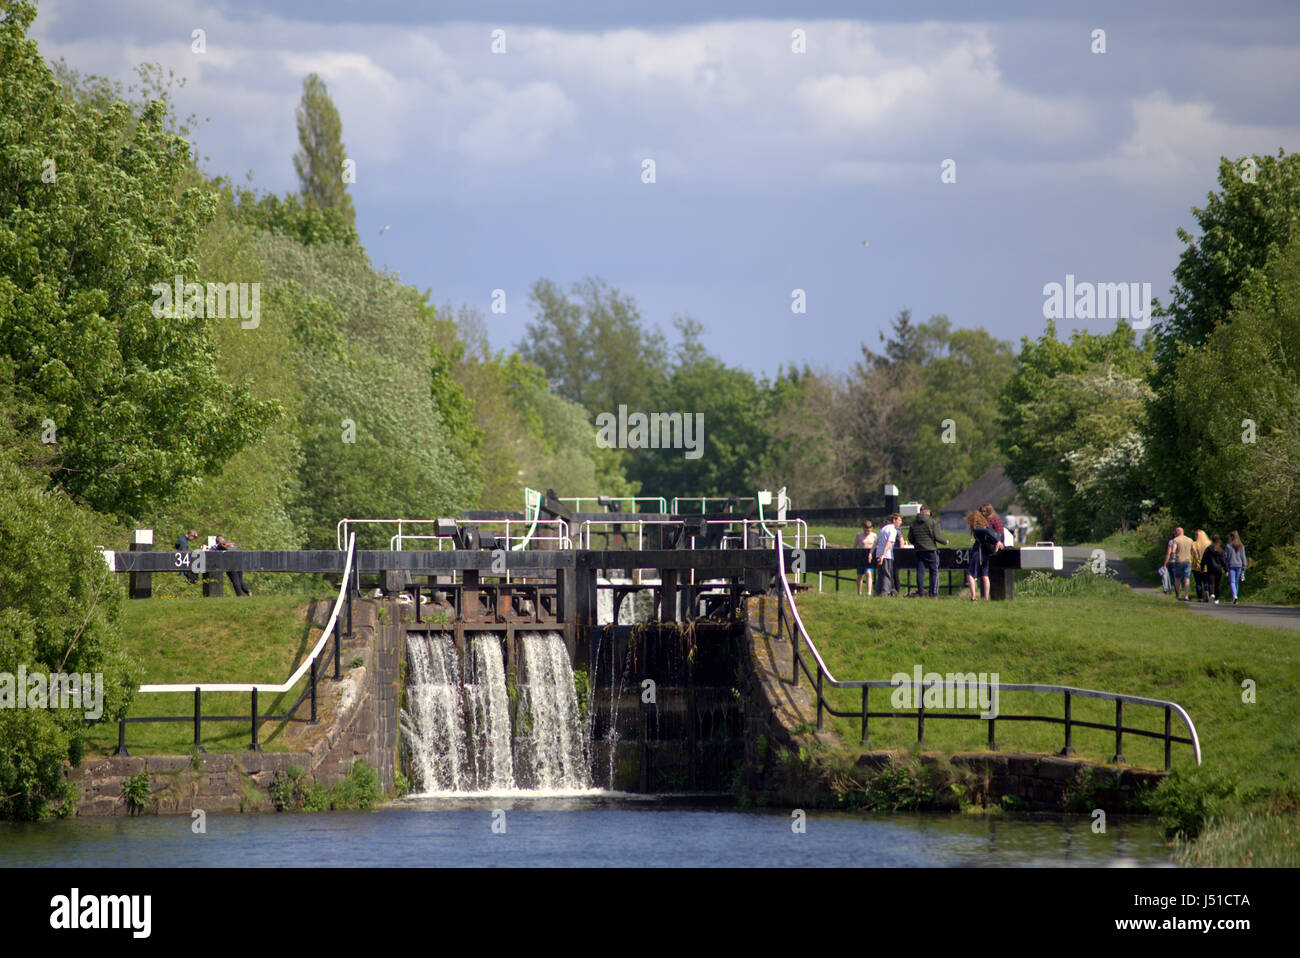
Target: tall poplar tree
(321,155)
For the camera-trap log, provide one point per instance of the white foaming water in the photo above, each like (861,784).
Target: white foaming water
(548,731)
(489,708)
(434,725)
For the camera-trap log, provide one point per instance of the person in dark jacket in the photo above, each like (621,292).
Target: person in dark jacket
(183,545)
(1215,562)
(236,576)
(924,536)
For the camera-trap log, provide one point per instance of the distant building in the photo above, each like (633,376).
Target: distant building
(994,487)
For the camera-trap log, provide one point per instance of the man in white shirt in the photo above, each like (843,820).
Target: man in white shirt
(885,543)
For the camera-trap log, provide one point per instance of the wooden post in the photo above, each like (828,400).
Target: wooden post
(141,583)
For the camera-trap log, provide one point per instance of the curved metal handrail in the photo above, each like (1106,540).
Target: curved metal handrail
(1002,686)
(298,673)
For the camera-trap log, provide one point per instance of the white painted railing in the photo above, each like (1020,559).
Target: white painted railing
(290,682)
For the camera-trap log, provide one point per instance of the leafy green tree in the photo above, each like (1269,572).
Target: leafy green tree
(59,610)
(373,442)
(250,499)
(92,215)
(1087,450)
(593,345)
(1240,449)
(290,216)
(953,412)
(810,447)
(1071,418)
(321,155)
(1251,218)
(734,440)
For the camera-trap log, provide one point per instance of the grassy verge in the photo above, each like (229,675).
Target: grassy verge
(1105,638)
(262,638)
(1110,640)
(1254,839)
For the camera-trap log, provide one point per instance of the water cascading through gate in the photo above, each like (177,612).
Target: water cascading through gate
(457,727)
(550,748)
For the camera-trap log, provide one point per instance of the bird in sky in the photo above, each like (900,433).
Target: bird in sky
(384,230)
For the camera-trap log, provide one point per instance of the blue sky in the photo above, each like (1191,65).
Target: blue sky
(773,168)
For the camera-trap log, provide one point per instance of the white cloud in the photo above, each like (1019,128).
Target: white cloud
(515,125)
(1172,143)
(727,101)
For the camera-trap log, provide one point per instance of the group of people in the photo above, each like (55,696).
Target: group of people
(1203,560)
(222,545)
(988,530)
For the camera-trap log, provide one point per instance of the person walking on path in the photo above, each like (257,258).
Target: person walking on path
(1200,542)
(924,536)
(1236,555)
(866,539)
(235,575)
(986,543)
(1216,563)
(1179,559)
(885,543)
(183,545)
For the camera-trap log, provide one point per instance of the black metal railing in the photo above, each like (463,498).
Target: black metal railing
(334,629)
(822,678)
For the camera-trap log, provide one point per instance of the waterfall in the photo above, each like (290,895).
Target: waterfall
(456,727)
(489,711)
(551,753)
(433,725)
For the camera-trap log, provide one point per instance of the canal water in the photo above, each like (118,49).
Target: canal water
(588,829)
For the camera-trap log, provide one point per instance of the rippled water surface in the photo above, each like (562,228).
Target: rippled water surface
(589,829)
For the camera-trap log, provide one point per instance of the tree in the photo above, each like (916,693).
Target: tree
(731,438)
(1086,452)
(93,213)
(1240,450)
(321,156)
(59,614)
(373,442)
(1071,418)
(308,224)
(810,447)
(953,412)
(1250,219)
(594,346)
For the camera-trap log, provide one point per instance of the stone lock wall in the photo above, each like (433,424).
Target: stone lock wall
(358,721)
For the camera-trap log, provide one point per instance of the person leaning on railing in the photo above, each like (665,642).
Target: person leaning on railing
(183,545)
(235,575)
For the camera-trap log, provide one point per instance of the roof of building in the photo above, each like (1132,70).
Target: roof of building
(993,486)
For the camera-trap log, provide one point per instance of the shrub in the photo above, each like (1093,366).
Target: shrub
(1083,582)
(1189,799)
(135,790)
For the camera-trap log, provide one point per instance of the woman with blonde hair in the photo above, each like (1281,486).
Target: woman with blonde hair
(1236,555)
(1200,545)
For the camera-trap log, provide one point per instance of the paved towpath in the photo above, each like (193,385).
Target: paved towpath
(1271,616)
